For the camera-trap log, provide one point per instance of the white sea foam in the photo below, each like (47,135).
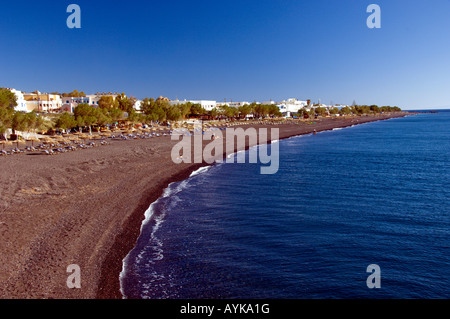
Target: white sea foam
(200,170)
(235,153)
(170,191)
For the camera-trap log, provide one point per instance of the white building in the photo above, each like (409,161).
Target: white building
(233,104)
(208,105)
(238,104)
(291,106)
(92,100)
(137,105)
(43,102)
(69,102)
(21,102)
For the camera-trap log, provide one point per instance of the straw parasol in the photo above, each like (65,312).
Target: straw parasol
(5,143)
(74,139)
(19,141)
(32,140)
(84,137)
(64,140)
(46,140)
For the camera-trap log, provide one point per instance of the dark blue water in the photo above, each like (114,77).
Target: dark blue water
(376,193)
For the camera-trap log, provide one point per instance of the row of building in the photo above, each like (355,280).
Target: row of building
(287,107)
(53,103)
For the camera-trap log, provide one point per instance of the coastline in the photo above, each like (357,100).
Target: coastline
(87,208)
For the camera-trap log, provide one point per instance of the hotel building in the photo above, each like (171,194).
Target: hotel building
(42,102)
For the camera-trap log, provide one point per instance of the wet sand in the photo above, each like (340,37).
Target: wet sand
(86,208)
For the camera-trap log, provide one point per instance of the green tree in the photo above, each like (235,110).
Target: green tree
(6,115)
(213,113)
(8,101)
(334,111)
(303,112)
(197,110)
(18,122)
(135,117)
(107,102)
(125,103)
(147,105)
(274,111)
(84,114)
(245,110)
(185,109)
(321,111)
(80,123)
(375,108)
(74,93)
(345,111)
(230,112)
(115,114)
(7,98)
(260,110)
(65,121)
(102,116)
(173,114)
(38,123)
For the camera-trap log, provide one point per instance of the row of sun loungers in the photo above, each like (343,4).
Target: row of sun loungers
(64,147)
(72,148)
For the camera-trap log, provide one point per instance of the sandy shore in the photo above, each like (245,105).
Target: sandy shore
(86,208)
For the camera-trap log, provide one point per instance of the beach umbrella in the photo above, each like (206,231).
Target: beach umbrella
(44,139)
(64,140)
(74,139)
(85,137)
(5,143)
(18,141)
(32,140)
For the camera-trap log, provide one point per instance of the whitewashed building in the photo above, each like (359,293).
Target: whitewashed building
(208,105)
(291,106)
(137,105)
(21,102)
(43,102)
(69,103)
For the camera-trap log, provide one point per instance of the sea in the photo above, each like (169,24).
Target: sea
(342,202)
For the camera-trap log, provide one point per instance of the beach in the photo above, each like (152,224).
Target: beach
(86,208)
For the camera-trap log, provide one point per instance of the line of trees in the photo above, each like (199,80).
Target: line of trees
(85,115)
(15,120)
(347,110)
(153,111)
(111,110)
(161,111)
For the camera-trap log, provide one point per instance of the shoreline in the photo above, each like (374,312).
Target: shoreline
(116,293)
(87,208)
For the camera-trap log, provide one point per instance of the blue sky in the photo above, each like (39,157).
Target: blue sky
(241,50)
